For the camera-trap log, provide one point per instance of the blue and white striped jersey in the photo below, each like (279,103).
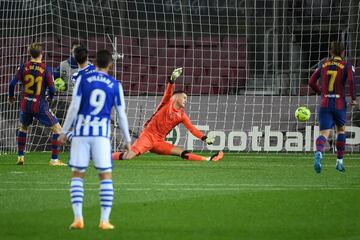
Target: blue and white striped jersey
(95,94)
(88,69)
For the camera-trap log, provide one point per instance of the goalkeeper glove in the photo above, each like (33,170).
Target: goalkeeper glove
(175,74)
(208,140)
(60,84)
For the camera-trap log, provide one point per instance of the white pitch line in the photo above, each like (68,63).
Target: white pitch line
(186,184)
(254,164)
(16,172)
(185,189)
(244,167)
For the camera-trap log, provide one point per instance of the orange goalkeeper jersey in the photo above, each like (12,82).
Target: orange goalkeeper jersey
(166,118)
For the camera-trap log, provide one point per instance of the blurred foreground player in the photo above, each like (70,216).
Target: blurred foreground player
(36,79)
(169,113)
(94,95)
(333,73)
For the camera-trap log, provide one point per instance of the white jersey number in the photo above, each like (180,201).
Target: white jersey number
(97,100)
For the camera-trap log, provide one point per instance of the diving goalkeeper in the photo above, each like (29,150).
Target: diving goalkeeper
(169,113)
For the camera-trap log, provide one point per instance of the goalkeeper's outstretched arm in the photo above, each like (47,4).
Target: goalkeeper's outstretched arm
(170,87)
(196,132)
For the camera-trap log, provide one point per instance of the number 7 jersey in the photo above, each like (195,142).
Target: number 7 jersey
(334,73)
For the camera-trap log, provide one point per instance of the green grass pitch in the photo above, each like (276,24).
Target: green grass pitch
(245,196)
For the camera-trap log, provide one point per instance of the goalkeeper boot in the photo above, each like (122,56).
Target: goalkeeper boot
(20,160)
(340,165)
(77,224)
(317,162)
(217,156)
(105,225)
(56,162)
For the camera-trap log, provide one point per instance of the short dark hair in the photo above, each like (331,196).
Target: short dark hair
(35,50)
(81,54)
(337,48)
(179,92)
(76,43)
(103,58)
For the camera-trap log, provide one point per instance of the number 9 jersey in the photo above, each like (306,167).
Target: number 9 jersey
(94,95)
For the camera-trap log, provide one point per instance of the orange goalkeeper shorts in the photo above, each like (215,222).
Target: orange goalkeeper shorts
(148,142)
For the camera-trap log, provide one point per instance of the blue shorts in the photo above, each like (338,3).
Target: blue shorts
(46,118)
(328,117)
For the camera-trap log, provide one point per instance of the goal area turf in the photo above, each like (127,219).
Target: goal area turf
(245,196)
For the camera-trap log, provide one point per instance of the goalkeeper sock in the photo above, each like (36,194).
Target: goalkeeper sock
(55,146)
(117,156)
(21,141)
(77,196)
(320,142)
(106,198)
(340,145)
(192,157)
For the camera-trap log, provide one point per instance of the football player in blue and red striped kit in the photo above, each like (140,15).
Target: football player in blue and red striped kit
(36,79)
(333,73)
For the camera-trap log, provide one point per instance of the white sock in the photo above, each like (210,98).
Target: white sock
(77,195)
(106,198)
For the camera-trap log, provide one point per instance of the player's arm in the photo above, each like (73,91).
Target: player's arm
(168,92)
(18,76)
(74,77)
(170,87)
(50,83)
(57,72)
(123,121)
(352,83)
(196,132)
(313,81)
(73,108)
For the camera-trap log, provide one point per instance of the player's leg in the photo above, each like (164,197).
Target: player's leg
(123,155)
(340,148)
(77,196)
(340,120)
(187,155)
(143,144)
(101,154)
(326,123)
(55,146)
(106,198)
(165,148)
(79,160)
(21,134)
(117,155)
(49,119)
